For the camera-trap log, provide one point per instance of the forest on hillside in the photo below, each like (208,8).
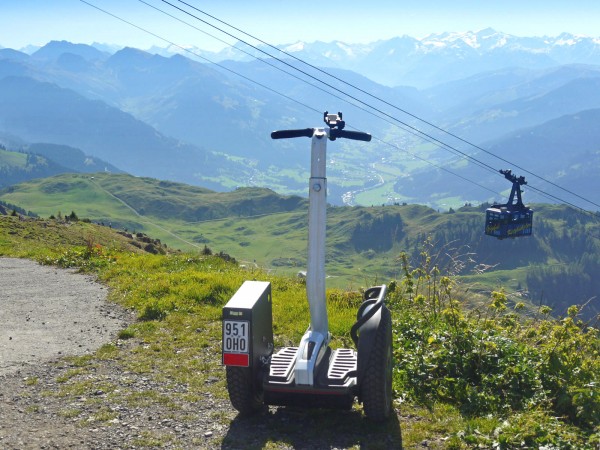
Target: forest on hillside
(561,258)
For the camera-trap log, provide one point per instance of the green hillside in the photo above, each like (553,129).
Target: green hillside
(44,160)
(263,229)
(463,378)
(16,167)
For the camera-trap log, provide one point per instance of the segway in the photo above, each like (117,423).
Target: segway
(311,374)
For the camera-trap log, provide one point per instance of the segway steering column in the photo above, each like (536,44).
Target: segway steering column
(317,337)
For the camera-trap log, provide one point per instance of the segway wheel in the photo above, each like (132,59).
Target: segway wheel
(243,394)
(376,386)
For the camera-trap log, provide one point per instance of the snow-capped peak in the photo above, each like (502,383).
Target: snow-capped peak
(295,47)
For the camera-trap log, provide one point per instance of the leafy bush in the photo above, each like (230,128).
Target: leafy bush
(491,360)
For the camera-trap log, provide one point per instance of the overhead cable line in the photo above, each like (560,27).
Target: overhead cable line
(407,127)
(327,92)
(572,205)
(421,134)
(200,56)
(362,102)
(271,89)
(438,166)
(455,136)
(228,44)
(402,125)
(264,61)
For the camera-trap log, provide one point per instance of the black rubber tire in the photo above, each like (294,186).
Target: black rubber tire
(243,394)
(376,386)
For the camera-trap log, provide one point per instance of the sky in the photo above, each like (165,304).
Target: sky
(36,22)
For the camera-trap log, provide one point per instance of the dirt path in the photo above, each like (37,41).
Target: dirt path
(47,313)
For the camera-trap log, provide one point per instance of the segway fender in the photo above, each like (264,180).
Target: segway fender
(364,331)
(366,342)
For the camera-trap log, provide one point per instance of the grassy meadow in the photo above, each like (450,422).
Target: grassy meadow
(463,378)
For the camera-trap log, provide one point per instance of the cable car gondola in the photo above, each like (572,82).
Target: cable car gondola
(512,219)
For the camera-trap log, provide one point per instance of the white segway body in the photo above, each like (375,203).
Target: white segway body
(311,374)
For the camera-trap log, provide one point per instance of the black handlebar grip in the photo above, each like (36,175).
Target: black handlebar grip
(356,135)
(286,134)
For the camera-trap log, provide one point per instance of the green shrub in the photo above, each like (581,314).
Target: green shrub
(492,361)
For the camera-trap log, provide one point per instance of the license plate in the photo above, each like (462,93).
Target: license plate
(236,342)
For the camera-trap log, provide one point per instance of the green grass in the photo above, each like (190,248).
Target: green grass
(12,159)
(462,376)
(52,239)
(63,194)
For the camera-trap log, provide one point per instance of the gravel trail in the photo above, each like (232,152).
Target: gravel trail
(47,312)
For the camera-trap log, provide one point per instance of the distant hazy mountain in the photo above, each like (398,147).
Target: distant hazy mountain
(55,49)
(441,57)
(44,112)
(222,110)
(166,116)
(17,167)
(564,150)
(496,86)
(526,102)
(553,143)
(10,54)
(71,158)
(45,160)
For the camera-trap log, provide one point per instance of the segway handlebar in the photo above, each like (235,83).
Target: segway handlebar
(286,134)
(333,134)
(355,135)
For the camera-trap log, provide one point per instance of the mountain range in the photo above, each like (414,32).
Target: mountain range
(170,117)
(428,61)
